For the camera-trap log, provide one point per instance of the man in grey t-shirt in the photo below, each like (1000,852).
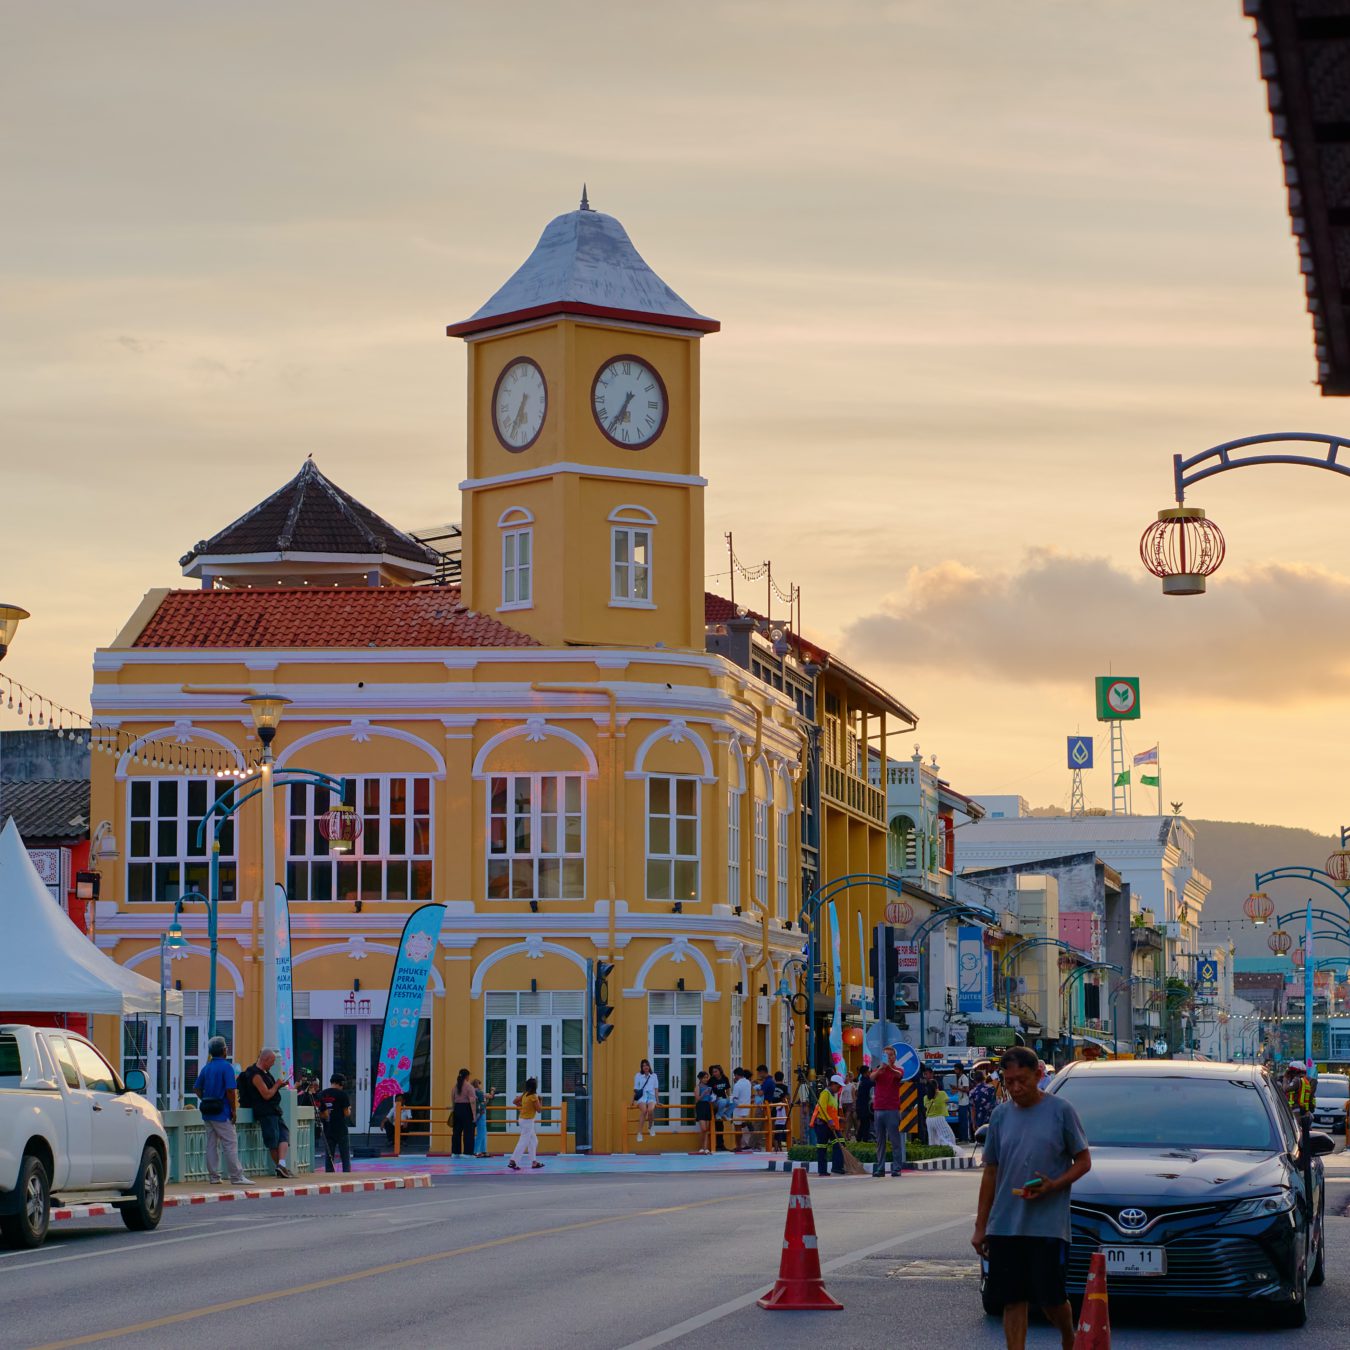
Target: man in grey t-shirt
(1035,1150)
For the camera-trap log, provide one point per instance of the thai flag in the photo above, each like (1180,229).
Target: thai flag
(1147,756)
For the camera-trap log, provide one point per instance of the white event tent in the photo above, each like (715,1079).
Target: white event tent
(46,964)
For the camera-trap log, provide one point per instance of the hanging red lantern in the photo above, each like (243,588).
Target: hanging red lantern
(342,827)
(1279,942)
(1338,866)
(853,1036)
(1183,548)
(1258,907)
(899,912)
(1298,956)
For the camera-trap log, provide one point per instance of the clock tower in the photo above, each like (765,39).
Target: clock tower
(583,505)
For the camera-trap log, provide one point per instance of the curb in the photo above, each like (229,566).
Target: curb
(964,1163)
(414,1182)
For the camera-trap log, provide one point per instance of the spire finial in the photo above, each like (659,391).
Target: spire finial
(585,204)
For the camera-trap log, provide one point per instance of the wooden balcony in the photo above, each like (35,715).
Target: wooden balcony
(855,794)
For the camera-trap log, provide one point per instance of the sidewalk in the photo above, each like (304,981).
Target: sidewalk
(314,1183)
(632,1164)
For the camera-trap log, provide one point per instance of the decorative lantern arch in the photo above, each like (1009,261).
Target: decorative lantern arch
(1258,907)
(1182,547)
(1279,942)
(1338,866)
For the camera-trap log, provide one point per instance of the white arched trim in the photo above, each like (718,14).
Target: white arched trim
(515,515)
(182,733)
(223,961)
(361,730)
(677,732)
(678,950)
(763,778)
(785,778)
(736,765)
(345,949)
(630,514)
(533,729)
(532,947)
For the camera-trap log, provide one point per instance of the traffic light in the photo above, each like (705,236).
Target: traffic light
(886,981)
(600,1001)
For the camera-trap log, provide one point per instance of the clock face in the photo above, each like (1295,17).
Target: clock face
(519,403)
(629,402)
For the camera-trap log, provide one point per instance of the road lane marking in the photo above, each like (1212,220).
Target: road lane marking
(409,1263)
(156,1242)
(734,1305)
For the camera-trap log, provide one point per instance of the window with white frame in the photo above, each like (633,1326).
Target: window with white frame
(164,860)
(536,837)
(632,559)
(761,851)
(391,859)
(517,568)
(735,1050)
(672,837)
(734,847)
(781,840)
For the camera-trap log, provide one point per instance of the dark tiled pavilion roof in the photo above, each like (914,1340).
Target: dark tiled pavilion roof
(47,808)
(311,514)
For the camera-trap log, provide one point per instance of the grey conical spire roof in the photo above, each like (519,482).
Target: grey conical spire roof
(585,263)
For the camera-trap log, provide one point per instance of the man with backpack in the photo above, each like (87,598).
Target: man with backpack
(261,1094)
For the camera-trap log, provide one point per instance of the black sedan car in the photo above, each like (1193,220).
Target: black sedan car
(1200,1188)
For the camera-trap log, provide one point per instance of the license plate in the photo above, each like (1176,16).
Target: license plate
(1135,1260)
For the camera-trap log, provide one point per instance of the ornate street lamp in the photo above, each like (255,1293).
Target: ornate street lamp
(267,710)
(1279,942)
(1183,548)
(1258,907)
(10,618)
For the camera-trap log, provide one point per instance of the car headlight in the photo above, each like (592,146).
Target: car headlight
(1260,1207)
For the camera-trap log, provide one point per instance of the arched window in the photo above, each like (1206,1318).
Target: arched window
(630,552)
(517,527)
(902,850)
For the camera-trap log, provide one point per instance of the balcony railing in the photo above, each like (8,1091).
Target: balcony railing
(853,793)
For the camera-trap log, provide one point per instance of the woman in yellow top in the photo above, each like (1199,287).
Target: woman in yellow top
(825,1122)
(939,1131)
(527,1121)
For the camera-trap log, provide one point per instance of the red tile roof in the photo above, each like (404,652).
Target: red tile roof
(340,616)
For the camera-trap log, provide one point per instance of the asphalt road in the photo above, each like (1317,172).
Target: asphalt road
(544,1261)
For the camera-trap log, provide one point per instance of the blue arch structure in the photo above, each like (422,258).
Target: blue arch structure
(1220,458)
(1313,874)
(1026,945)
(810,916)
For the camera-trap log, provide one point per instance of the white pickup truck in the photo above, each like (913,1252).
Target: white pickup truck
(71,1128)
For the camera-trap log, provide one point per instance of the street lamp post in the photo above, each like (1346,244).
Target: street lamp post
(11,616)
(267,710)
(171,938)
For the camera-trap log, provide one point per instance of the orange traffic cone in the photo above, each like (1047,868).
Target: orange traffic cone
(799,1287)
(1094,1324)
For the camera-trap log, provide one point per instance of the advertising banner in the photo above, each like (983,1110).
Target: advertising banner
(407,989)
(285,1029)
(1206,977)
(969,968)
(837,1023)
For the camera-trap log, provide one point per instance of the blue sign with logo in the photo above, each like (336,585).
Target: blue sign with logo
(970,968)
(1080,752)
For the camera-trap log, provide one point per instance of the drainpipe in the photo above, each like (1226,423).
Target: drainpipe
(613,698)
(748,827)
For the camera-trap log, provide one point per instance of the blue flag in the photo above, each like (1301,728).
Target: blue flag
(407,988)
(837,1022)
(284,1031)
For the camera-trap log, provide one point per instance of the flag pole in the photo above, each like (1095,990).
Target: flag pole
(1158,748)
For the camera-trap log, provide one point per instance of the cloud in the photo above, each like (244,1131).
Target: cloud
(1277,634)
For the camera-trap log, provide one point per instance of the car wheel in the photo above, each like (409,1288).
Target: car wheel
(1319,1270)
(28,1228)
(146,1206)
(1295,1312)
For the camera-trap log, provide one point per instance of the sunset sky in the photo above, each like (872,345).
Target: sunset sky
(982,268)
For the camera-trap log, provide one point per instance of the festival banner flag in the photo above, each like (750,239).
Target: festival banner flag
(1148,780)
(837,1024)
(1122,778)
(407,988)
(284,1032)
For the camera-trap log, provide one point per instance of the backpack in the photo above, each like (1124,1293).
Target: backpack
(246,1093)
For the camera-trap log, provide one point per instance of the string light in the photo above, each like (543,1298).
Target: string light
(156,751)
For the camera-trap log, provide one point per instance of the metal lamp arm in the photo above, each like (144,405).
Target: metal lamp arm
(1221,458)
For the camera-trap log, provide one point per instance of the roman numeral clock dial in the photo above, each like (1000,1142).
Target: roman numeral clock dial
(519,403)
(629,402)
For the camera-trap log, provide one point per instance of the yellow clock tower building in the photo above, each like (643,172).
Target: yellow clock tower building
(583,509)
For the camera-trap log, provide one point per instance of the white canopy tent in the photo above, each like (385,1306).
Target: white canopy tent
(46,964)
